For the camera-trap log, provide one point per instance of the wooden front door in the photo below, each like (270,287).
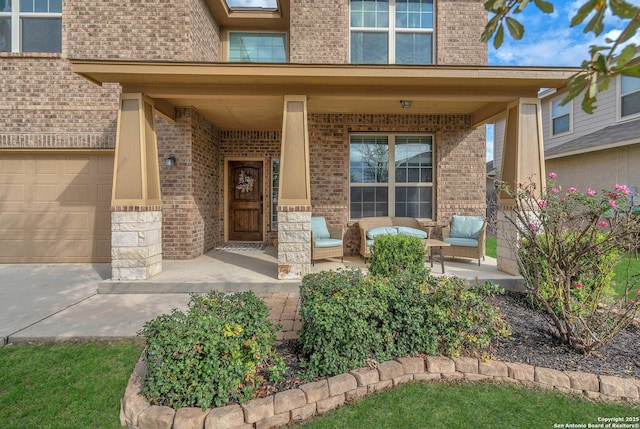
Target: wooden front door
(245,200)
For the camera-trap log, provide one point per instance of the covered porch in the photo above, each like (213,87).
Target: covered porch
(256,270)
(304,115)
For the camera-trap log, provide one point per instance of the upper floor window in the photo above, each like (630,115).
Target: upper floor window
(629,96)
(391,175)
(250,47)
(392,31)
(30,25)
(560,117)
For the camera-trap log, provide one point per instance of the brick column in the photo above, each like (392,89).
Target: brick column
(294,242)
(136,242)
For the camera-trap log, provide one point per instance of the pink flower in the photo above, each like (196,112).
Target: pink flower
(552,175)
(520,185)
(603,224)
(638,291)
(542,203)
(631,302)
(623,188)
(591,192)
(572,190)
(532,226)
(555,190)
(613,204)
(579,286)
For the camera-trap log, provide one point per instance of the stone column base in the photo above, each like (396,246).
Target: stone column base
(294,242)
(136,242)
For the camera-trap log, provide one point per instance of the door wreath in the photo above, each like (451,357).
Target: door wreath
(245,182)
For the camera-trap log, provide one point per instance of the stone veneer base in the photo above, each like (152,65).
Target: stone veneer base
(136,242)
(318,397)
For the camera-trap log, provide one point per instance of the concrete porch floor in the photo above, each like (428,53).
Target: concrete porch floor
(256,270)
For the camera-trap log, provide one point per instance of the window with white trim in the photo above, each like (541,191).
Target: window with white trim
(391,175)
(560,117)
(252,47)
(629,96)
(392,31)
(30,25)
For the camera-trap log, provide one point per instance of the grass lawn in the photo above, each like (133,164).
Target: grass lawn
(433,406)
(75,385)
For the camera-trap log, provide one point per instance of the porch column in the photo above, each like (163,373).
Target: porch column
(294,204)
(136,210)
(522,162)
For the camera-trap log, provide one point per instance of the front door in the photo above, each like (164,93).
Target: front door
(245,200)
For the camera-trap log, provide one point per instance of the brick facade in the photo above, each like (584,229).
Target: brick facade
(44,105)
(458,29)
(319,32)
(191,205)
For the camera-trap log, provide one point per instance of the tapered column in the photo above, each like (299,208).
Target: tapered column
(294,195)
(136,211)
(522,162)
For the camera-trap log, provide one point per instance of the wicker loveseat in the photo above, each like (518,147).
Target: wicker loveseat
(373,226)
(466,236)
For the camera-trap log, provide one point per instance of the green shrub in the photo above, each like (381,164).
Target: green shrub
(343,322)
(393,254)
(349,320)
(215,352)
(462,319)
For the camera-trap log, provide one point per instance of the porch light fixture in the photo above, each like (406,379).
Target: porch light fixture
(406,103)
(170,161)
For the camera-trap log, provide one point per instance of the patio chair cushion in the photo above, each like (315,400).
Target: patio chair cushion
(405,230)
(381,230)
(464,242)
(327,242)
(319,228)
(466,227)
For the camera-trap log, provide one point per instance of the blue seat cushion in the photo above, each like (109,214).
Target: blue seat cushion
(327,242)
(412,232)
(465,242)
(466,226)
(381,230)
(319,227)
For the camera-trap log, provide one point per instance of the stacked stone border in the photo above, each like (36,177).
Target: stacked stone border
(308,400)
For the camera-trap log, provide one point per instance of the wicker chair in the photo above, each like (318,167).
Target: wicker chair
(467,236)
(325,242)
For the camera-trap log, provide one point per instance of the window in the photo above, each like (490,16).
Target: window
(275,183)
(257,47)
(629,96)
(391,31)
(391,175)
(560,117)
(251,5)
(30,25)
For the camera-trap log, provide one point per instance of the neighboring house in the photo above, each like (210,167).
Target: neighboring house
(591,150)
(136,131)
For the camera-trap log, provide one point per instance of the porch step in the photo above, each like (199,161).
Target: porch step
(153,287)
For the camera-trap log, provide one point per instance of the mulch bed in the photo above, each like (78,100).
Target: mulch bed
(531,342)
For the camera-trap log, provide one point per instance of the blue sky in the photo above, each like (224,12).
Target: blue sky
(549,41)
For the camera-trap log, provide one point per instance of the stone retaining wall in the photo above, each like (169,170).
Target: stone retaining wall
(318,397)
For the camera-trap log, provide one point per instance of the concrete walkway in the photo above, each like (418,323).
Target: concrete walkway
(52,302)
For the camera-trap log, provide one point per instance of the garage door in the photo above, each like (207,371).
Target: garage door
(55,208)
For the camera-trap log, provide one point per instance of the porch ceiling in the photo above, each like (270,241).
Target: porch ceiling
(250,96)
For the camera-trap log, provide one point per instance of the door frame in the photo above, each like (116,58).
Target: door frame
(265,177)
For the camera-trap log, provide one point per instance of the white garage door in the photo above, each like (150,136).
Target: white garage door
(55,208)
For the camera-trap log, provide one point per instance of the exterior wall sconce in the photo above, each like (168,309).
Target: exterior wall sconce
(170,161)
(406,103)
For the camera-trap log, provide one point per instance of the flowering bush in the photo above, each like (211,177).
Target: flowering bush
(569,243)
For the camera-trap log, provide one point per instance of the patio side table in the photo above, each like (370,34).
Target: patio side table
(431,243)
